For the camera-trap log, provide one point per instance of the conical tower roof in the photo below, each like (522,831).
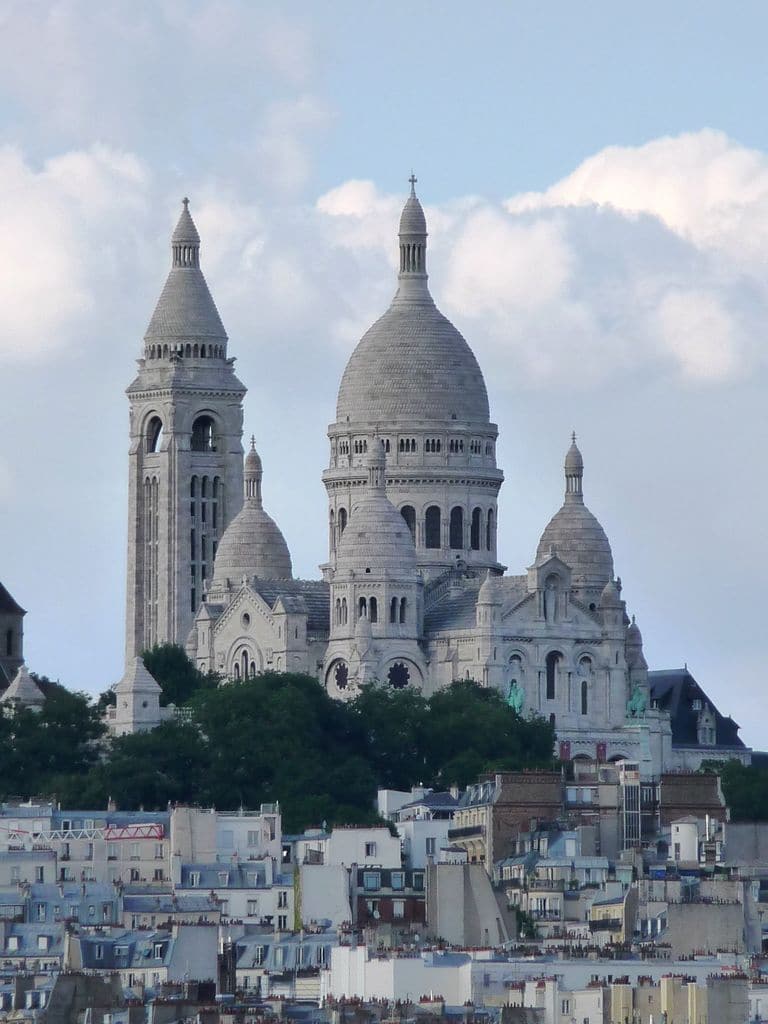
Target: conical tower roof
(185,310)
(137,679)
(24,690)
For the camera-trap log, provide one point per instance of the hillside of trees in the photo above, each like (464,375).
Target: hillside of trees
(281,737)
(274,737)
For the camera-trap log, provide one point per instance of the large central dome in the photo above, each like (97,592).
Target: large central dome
(412,364)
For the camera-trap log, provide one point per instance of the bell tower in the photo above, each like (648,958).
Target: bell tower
(186,457)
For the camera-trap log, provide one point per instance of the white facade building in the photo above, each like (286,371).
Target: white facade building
(412,592)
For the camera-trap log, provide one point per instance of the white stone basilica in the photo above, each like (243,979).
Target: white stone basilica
(413,593)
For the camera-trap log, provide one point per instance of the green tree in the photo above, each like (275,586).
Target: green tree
(170,764)
(470,728)
(745,788)
(177,676)
(38,746)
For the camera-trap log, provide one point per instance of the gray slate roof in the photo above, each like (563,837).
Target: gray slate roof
(674,690)
(185,310)
(315,593)
(8,605)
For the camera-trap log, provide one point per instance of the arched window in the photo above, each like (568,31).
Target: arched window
(474,538)
(489,531)
(552,721)
(237,671)
(553,661)
(432,528)
(398,675)
(408,512)
(373,607)
(9,640)
(154,434)
(402,610)
(393,610)
(362,608)
(344,613)
(584,696)
(516,669)
(342,520)
(457,528)
(203,437)
(338,611)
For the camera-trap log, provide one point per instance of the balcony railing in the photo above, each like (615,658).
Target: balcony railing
(607,924)
(467,832)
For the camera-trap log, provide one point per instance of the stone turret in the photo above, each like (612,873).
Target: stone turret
(186,458)
(137,707)
(375,579)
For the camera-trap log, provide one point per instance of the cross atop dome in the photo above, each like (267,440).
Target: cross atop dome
(412,180)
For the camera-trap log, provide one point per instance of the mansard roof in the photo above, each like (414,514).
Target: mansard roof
(675,690)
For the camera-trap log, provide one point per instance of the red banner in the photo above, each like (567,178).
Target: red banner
(602,750)
(565,750)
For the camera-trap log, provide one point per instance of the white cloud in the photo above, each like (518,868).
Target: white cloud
(59,227)
(702,185)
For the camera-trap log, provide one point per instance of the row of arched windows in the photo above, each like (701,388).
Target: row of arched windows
(187,351)
(409,445)
(552,664)
(368,607)
(203,437)
(480,531)
(244,666)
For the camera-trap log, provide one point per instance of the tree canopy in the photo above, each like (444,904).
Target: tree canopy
(745,788)
(176,675)
(275,737)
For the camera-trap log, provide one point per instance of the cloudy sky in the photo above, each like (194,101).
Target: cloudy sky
(595,177)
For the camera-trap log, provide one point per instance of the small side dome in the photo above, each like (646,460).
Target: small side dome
(634,636)
(489,592)
(575,533)
(377,540)
(252,544)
